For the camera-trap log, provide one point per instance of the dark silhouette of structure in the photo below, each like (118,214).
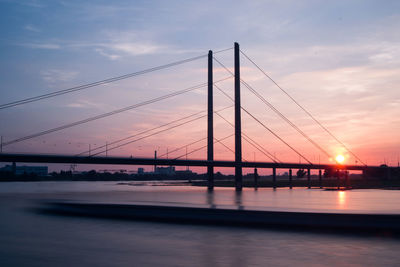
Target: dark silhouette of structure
(210,163)
(210,122)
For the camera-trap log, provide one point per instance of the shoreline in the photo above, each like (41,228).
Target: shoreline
(306,221)
(327,184)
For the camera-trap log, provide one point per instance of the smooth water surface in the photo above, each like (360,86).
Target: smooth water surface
(298,199)
(31,239)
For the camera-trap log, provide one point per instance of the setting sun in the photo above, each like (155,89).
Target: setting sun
(339,158)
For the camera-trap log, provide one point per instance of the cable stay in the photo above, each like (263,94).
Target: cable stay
(203,147)
(145,131)
(152,134)
(102,82)
(220,142)
(277,136)
(182,147)
(245,136)
(252,142)
(303,108)
(251,89)
(149,135)
(151,101)
(274,109)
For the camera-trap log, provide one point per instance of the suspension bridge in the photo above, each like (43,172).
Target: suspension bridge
(96,155)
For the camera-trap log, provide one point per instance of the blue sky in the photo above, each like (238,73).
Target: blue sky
(341,59)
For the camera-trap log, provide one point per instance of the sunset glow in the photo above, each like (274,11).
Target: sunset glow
(339,158)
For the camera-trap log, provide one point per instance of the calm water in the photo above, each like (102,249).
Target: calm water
(30,239)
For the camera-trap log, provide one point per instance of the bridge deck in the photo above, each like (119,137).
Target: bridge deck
(42,158)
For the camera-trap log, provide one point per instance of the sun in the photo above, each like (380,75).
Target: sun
(339,158)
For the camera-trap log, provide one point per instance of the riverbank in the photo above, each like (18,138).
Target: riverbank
(264,182)
(314,183)
(236,216)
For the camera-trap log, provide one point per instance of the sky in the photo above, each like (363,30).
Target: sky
(339,59)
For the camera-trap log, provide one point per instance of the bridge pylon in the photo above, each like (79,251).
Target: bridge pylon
(238,124)
(210,123)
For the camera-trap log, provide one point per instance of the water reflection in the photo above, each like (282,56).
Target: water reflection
(282,199)
(238,200)
(210,199)
(232,198)
(341,199)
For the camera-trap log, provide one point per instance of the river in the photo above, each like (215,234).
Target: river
(32,239)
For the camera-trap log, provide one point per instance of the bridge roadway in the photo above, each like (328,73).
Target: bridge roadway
(48,158)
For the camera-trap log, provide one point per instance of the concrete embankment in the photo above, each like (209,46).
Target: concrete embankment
(230,216)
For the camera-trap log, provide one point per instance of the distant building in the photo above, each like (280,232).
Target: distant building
(165,170)
(140,170)
(184,172)
(20,170)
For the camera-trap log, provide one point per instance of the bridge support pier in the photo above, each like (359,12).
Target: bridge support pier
(338,179)
(210,124)
(309,178)
(155,157)
(388,174)
(238,127)
(274,177)
(255,179)
(320,178)
(290,179)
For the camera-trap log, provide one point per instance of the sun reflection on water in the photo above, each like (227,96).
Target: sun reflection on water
(342,199)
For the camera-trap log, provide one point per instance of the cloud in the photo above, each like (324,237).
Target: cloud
(50,46)
(112,50)
(75,105)
(110,56)
(82,103)
(32,28)
(348,80)
(32,3)
(134,48)
(317,57)
(56,75)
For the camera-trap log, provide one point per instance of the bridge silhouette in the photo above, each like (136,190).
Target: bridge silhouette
(94,157)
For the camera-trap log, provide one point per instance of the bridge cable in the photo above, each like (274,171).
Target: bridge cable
(182,147)
(109,113)
(149,135)
(145,131)
(304,109)
(203,147)
(227,147)
(276,110)
(277,136)
(251,89)
(102,115)
(252,142)
(137,134)
(245,136)
(152,134)
(106,81)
